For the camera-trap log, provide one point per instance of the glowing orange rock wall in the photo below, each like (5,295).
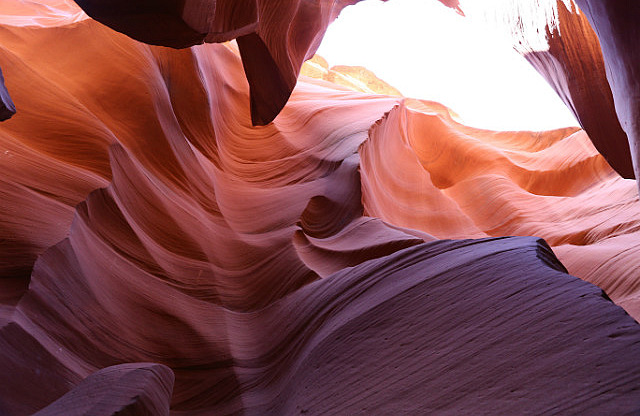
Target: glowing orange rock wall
(423,170)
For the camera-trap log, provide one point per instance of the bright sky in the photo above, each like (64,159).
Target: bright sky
(428,51)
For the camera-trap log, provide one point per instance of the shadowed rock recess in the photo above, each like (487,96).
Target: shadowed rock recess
(7,109)
(360,253)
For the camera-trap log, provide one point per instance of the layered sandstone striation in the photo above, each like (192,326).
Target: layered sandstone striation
(274,38)
(125,389)
(160,254)
(423,170)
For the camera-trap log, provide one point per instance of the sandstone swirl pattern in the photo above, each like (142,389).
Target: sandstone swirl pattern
(302,267)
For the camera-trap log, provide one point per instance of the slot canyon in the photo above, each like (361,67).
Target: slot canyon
(201,216)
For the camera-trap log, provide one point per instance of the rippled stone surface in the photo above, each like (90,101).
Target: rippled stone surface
(301,267)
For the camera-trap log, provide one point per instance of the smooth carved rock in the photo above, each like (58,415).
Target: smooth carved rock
(356,78)
(57,152)
(421,169)
(484,326)
(275,37)
(615,23)
(294,268)
(574,67)
(136,389)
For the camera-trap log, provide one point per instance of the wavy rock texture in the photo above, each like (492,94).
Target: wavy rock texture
(125,389)
(423,170)
(293,268)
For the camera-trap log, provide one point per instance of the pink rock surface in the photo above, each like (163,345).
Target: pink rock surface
(302,267)
(423,170)
(592,61)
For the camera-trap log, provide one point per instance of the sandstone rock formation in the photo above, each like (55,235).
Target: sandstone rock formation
(574,67)
(595,72)
(615,22)
(301,267)
(125,389)
(274,38)
(423,170)
(356,78)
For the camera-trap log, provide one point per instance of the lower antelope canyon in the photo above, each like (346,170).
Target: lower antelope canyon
(199,216)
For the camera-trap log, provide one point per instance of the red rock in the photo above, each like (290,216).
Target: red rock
(574,67)
(615,23)
(272,51)
(274,37)
(456,318)
(423,170)
(294,267)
